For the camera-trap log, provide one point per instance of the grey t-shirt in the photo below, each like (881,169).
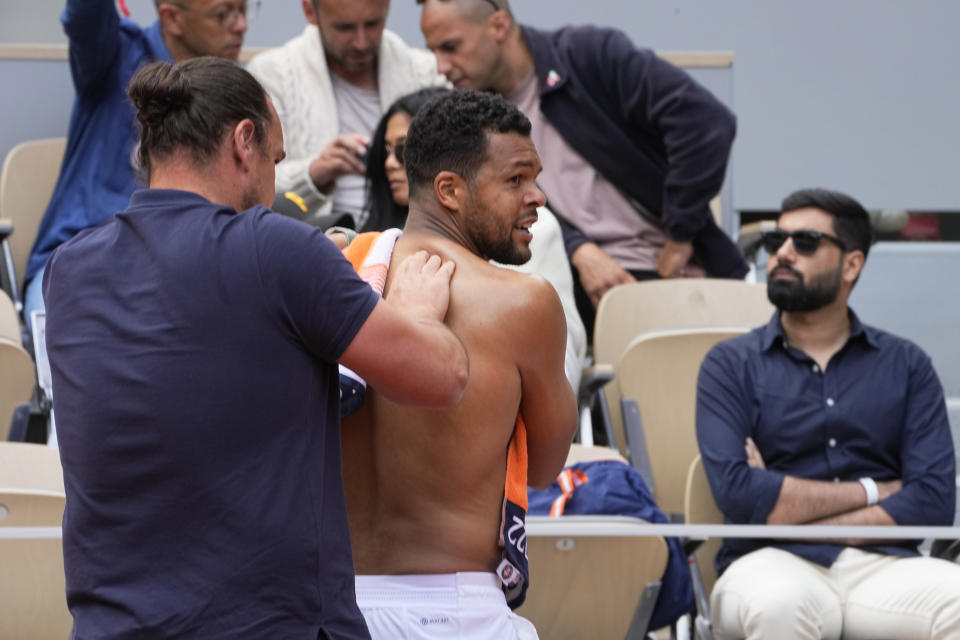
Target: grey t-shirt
(358,111)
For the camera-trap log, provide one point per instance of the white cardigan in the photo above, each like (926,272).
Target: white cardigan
(298,82)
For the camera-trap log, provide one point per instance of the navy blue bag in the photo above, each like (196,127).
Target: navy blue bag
(615,488)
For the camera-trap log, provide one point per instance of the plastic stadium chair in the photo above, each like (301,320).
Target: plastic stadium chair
(628,310)
(32,591)
(16,367)
(657,380)
(27,181)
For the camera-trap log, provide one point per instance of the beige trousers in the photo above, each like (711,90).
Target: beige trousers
(772,593)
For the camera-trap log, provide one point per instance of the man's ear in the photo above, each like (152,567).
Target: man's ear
(852,265)
(450,190)
(245,142)
(308,11)
(169,15)
(499,25)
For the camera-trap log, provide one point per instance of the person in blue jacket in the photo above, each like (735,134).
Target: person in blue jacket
(633,147)
(98,174)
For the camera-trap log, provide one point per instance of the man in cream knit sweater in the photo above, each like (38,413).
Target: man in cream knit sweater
(330,86)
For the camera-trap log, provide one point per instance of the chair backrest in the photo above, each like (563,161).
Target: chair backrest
(628,310)
(29,176)
(699,507)
(33,587)
(659,371)
(589,586)
(16,366)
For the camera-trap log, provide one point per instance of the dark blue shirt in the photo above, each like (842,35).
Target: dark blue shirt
(646,126)
(877,411)
(97,176)
(194,353)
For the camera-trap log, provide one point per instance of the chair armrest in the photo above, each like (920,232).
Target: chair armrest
(946,549)
(594,378)
(6,228)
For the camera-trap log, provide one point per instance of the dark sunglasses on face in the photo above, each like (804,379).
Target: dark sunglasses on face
(805,241)
(396,150)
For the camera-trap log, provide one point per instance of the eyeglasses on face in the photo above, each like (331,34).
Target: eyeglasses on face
(493,4)
(227,15)
(396,149)
(805,241)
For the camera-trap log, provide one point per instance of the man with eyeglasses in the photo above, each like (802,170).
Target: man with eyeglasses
(817,418)
(330,86)
(633,147)
(98,173)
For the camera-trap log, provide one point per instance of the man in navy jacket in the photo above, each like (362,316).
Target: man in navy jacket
(634,149)
(97,176)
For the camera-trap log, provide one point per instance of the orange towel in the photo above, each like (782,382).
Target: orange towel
(514,569)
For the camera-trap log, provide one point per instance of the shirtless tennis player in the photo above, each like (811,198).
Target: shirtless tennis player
(425,488)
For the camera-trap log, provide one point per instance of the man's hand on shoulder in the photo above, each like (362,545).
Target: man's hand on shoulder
(341,157)
(421,287)
(407,335)
(674,258)
(598,271)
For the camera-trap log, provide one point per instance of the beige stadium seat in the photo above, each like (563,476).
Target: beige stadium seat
(592,586)
(657,379)
(29,176)
(700,508)
(628,310)
(16,366)
(580,453)
(32,589)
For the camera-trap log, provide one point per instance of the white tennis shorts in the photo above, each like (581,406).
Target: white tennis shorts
(465,606)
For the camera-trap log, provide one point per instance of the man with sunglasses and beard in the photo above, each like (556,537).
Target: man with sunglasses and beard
(817,418)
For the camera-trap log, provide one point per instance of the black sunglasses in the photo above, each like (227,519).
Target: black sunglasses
(396,150)
(805,241)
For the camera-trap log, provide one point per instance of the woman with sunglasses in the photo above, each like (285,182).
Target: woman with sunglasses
(388,200)
(387,196)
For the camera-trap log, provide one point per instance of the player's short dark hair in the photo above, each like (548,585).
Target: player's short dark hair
(449,133)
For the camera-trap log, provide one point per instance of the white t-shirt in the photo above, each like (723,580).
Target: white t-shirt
(358,111)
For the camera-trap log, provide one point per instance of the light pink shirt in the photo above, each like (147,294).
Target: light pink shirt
(583,197)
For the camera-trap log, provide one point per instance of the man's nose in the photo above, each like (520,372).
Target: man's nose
(537,197)
(443,65)
(786,252)
(240,26)
(362,40)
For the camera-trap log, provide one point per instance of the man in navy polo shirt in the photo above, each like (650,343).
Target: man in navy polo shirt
(194,340)
(817,418)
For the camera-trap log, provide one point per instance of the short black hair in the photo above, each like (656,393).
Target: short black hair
(450,134)
(191,105)
(382,212)
(851,222)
